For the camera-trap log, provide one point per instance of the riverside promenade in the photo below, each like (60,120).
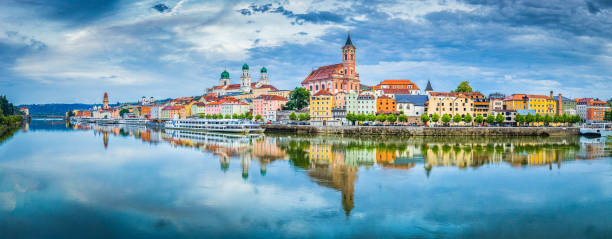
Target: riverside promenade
(424,131)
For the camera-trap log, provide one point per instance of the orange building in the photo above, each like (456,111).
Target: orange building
(596,110)
(398,84)
(385,105)
(83,113)
(145,111)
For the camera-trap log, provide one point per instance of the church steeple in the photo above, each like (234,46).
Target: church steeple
(348,57)
(348,41)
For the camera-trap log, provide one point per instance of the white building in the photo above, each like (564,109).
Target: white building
(411,105)
(198,108)
(230,108)
(366,103)
(156,111)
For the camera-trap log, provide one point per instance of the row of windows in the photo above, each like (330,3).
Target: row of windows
(451,109)
(456,104)
(330,86)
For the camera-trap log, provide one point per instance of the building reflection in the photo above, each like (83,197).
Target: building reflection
(334,162)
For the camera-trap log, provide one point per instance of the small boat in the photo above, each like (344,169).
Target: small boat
(596,132)
(216,125)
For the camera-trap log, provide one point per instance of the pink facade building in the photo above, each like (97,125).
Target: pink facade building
(265,104)
(335,78)
(213,108)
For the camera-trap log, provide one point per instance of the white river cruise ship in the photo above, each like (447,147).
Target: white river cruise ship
(216,125)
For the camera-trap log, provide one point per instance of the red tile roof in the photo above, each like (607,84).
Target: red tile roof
(272,97)
(397,82)
(322,73)
(172,107)
(271,87)
(322,92)
(233,87)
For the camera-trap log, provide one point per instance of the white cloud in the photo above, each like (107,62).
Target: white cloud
(415,10)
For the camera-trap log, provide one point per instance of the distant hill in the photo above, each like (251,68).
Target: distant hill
(55,109)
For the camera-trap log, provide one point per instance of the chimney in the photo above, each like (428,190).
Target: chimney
(559,105)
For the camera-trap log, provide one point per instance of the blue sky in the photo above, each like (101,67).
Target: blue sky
(73,51)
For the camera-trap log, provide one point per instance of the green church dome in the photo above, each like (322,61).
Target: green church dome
(245,67)
(224,75)
(264,70)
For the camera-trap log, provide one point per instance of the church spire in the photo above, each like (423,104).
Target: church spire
(428,88)
(348,40)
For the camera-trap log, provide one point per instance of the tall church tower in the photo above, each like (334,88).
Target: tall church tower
(105,102)
(225,78)
(245,79)
(348,57)
(264,76)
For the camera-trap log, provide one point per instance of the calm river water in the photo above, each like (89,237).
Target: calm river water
(60,181)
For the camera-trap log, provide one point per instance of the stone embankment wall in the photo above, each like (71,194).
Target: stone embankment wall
(424,131)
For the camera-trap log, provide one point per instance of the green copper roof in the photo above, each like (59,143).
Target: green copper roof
(264,70)
(224,75)
(245,67)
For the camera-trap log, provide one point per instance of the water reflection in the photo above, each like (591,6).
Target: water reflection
(334,161)
(223,185)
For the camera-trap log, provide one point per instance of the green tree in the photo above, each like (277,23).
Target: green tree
(258,118)
(122,112)
(539,118)
(201,116)
(446,118)
(235,116)
(371,117)
(424,118)
(381,118)
(293,116)
(500,119)
(463,87)
(7,108)
(519,119)
(457,118)
(490,119)
(435,118)
(391,118)
(608,115)
(468,119)
(303,116)
(361,117)
(529,118)
(228,116)
(351,117)
(547,119)
(479,119)
(403,118)
(248,115)
(298,99)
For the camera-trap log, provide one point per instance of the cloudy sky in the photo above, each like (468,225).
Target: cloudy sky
(72,51)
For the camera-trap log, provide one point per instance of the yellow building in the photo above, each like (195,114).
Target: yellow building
(321,105)
(541,104)
(450,103)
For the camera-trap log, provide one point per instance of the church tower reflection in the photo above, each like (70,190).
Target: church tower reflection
(105,139)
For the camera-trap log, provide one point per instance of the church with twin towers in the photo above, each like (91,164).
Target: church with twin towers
(245,87)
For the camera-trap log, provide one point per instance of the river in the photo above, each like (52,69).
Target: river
(89,181)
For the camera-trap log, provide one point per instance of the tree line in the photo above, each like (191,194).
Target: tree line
(9,115)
